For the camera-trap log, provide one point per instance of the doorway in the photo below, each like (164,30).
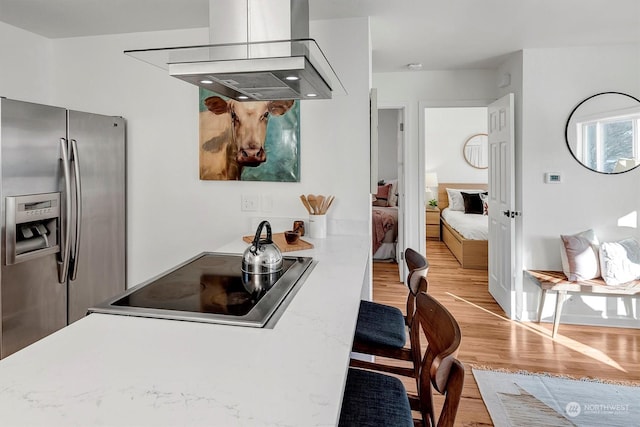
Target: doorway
(511,281)
(444,128)
(391,143)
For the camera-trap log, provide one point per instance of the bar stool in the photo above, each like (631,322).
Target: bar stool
(381,329)
(376,399)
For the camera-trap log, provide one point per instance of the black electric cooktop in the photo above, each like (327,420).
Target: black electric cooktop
(208,288)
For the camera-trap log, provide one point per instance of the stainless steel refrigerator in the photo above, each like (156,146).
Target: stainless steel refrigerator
(63,217)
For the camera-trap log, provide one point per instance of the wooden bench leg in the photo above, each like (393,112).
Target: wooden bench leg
(543,297)
(561,297)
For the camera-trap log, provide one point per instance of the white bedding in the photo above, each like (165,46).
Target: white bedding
(470,226)
(387,251)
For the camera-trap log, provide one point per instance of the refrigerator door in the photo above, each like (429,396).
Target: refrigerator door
(97,269)
(33,302)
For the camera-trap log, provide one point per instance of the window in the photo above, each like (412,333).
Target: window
(609,142)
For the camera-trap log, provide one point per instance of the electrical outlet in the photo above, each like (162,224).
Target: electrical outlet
(249,203)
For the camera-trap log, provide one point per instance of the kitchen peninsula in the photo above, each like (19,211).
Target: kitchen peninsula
(124,371)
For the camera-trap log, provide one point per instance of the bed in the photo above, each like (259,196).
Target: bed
(466,235)
(384,222)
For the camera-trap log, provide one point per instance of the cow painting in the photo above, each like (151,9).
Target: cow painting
(233,135)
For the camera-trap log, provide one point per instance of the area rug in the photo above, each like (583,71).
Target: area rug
(527,399)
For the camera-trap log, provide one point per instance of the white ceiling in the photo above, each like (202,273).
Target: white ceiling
(440,34)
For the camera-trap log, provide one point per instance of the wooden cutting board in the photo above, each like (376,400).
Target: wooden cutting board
(281,243)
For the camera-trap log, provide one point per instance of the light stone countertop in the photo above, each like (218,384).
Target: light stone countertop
(108,370)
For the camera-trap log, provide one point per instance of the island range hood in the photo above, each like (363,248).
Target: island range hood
(260,50)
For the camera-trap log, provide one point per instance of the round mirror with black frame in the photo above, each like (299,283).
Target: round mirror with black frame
(476,151)
(603,132)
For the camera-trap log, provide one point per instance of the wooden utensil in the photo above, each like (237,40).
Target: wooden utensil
(312,201)
(320,203)
(330,200)
(305,202)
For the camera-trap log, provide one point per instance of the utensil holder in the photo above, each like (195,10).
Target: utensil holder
(317,226)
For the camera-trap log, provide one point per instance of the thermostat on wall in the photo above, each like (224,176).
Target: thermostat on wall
(552,178)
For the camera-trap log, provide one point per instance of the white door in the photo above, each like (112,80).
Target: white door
(502,250)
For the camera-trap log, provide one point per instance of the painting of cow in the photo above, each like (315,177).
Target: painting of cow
(253,140)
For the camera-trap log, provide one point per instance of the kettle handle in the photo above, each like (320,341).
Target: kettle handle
(256,240)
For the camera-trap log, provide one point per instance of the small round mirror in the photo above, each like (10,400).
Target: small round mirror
(603,132)
(476,151)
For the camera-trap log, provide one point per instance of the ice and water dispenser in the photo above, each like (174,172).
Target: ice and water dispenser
(32,223)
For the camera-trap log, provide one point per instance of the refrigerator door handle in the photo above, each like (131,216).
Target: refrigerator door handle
(63,264)
(76,246)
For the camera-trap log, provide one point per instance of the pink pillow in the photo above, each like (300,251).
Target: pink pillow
(580,258)
(382,196)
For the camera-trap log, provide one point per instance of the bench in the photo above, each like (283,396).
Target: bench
(558,282)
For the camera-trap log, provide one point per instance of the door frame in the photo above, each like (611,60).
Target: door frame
(403,238)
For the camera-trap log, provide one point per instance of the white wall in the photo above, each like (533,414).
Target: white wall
(172,215)
(513,67)
(554,82)
(446,130)
(387,144)
(26,64)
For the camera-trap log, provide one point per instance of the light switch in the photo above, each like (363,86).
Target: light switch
(552,178)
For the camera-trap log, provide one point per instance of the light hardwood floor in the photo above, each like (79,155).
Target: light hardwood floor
(491,339)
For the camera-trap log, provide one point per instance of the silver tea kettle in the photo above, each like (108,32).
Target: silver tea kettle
(261,262)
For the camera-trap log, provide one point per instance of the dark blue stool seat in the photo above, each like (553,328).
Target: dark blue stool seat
(380,324)
(381,330)
(374,399)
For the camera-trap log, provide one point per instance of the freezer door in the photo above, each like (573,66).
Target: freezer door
(33,302)
(98,263)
